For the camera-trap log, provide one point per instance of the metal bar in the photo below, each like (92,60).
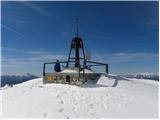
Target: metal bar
(44,65)
(59,62)
(95,65)
(75,58)
(96,62)
(99,64)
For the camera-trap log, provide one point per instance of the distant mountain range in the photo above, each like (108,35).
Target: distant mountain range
(152,76)
(14,79)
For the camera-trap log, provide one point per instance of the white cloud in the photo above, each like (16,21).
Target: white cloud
(13,50)
(37,9)
(31,57)
(36,58)
(126,57)
(120,54)
(12,30)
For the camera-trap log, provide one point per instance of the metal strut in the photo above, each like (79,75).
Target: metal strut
(77,46)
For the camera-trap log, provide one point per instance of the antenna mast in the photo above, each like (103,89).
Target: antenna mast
(77,20)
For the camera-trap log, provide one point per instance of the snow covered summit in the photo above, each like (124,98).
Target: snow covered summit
(109,97)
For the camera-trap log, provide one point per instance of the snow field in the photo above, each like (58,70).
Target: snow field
(110,97)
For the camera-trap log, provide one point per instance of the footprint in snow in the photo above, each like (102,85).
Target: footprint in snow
(61,102)
(119,105)
(64,92)
(57,96)
(67,117)
(91,106)
(104,106)
(74,109)
(22,92)
(45,115)
(61,110)
(75,102)
(91,114)
(41,86)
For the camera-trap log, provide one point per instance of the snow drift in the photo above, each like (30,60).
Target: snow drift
(109,97)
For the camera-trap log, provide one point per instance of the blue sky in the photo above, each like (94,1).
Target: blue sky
(122,34)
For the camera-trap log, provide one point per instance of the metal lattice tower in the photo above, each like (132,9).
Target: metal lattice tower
(77,46)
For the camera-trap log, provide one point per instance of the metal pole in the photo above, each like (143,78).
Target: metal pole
(84,72)
(78,73)
(44,65)
(84,55)
(77,63)
(69,56)
(107,68)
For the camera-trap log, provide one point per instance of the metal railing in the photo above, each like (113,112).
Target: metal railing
(93,64)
